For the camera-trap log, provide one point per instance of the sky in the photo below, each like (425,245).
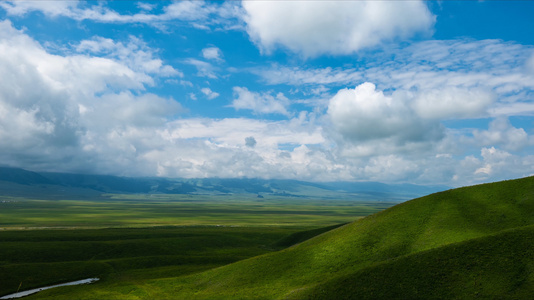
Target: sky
(423,92)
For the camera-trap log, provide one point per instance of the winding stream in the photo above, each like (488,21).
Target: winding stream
(29,292)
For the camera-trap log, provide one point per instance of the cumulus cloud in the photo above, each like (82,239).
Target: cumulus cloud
(146,110)
(209,93)
(530,64)
(452,102)
(54,107)
(260,103)
(146,6)
(250,141)
(389,167)
(232,131)
(188,10)
(333,27)
(489,73)
(210,148)
(364,113)
(212,53)
(204,69)
(502,133)
(30,127)
(79,73)
(495,162)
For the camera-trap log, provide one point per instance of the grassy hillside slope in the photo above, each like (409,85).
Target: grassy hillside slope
(414,226)
(419,225)
(499,266)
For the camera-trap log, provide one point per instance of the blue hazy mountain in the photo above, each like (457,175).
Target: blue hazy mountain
(14,181)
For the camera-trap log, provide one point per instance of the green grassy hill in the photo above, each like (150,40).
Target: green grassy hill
(497,266)
(406,244)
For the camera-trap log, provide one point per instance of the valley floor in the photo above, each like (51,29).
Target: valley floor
(128,239)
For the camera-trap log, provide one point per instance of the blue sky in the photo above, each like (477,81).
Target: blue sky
(426,92)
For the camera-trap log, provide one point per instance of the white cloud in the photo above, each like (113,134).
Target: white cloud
(77,72)
(297,76)
(426,65)
(199,14)
(212,53)
(209,93)
(232,132)
(188,10)
(30,128)
(50,8)
(136,54)
(502,133)
(241,147)
(389,168)
(494,160)
(530,64)
(512,109)
(263,103)
(67,112)
(147,110)
(452,102)
(333,27)
(393,137)
(448,79)
(363,114)
(146,6)
(204,69)
(88,111)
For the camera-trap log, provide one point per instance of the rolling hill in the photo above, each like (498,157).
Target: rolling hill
(491,267)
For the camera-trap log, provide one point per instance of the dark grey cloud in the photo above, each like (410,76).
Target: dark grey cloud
(250,142)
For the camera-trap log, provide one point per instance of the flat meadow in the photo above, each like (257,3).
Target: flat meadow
(130,238)
(179,210)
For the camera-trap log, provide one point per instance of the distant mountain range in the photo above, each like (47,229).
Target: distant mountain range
(20,182)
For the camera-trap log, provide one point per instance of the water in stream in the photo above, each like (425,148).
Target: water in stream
(33,291)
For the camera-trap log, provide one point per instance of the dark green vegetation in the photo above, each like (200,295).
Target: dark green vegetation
(467,243)
(42,257)
(492,267)
(301,236)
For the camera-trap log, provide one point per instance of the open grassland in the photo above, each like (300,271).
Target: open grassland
(462,243)
(179,210)
(128,239)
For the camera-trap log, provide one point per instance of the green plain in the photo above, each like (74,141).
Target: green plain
(128,239)
(179,210)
